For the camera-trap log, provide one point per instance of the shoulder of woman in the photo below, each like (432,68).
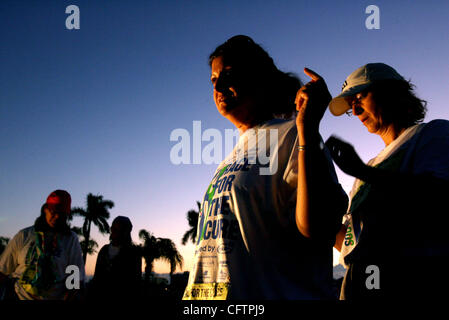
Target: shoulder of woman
(281,123)
(103,252)
(434,131)
(284,127)
(437,124)
(104,248)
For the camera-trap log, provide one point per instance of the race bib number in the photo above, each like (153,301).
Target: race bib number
(206,291)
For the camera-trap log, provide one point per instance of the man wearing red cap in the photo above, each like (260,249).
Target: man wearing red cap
(35,261)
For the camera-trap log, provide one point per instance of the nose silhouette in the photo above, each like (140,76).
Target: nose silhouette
(220,84)
(224,81)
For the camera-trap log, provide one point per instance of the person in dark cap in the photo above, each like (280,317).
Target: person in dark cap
(393,240)
(35,261)
(118,270)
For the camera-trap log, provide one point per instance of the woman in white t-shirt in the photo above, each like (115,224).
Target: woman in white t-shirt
(269,217)
(394,239)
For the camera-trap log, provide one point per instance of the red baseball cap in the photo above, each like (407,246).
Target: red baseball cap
(59,200)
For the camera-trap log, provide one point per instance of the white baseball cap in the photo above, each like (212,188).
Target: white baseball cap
(358,81)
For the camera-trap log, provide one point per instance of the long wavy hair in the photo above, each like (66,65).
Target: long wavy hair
(257,72)
(397,104)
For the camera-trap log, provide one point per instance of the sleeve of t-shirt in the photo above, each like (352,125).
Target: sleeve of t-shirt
(291,170)
(9,257)
(432,151)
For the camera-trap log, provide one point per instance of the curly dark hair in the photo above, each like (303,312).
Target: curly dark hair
(397,103)
(256,71)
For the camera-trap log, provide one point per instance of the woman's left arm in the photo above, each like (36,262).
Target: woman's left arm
(350,163)
(424,191)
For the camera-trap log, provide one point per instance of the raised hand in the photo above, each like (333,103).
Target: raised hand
(311,102)
(345,157)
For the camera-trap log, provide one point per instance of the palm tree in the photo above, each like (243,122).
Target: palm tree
(192,218)
(158,248)
(92,245)
(96,212)
(3,243)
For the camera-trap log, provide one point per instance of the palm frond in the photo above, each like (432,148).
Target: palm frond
(91,247)
(169,253)
(77,211)
(3,243)
(102,224)
(77,230)
(192,219)
(186,236)
(159,248)
(144,235)
(96,212)
(108,204)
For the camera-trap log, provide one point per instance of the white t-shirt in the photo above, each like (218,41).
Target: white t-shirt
(13,262)
(248,245)
(427,148)
(352,234)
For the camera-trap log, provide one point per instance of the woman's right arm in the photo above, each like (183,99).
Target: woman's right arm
(316,217)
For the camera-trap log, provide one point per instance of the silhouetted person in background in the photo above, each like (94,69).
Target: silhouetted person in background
(267,227)
(118,271)
(34,262)
(398,216)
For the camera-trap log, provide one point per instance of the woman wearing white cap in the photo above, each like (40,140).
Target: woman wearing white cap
(393,240)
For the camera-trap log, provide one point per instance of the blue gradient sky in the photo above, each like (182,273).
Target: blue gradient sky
(91,110)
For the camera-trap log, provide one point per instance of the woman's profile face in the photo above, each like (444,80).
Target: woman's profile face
(229,96)
(365,108)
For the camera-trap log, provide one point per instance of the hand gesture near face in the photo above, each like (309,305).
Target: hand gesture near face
(345,157)
(311,102)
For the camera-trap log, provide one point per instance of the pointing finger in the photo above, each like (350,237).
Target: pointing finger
(312,74)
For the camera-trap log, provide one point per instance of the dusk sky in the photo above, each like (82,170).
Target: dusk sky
(91,110)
